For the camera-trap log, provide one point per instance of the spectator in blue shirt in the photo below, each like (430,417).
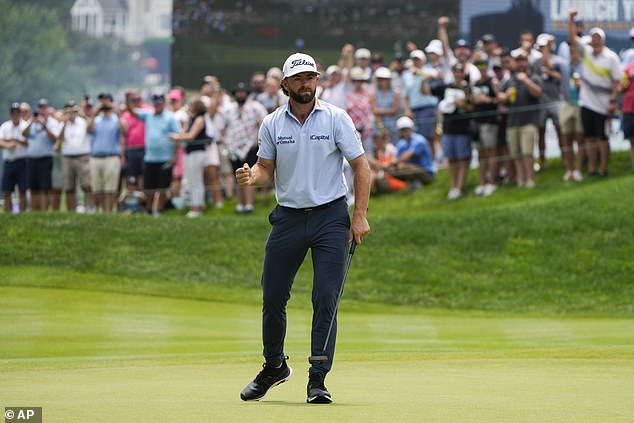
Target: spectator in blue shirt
(107,149)
(160,152)
(414,161)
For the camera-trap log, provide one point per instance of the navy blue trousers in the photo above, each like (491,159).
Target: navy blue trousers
(325,232)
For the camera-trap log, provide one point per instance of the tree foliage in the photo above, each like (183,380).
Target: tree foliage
(36,59)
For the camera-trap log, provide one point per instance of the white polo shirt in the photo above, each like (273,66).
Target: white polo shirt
(9,131)
(76,141)
(598,75)
(309,158)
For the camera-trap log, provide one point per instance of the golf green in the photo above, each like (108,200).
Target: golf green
(106,357)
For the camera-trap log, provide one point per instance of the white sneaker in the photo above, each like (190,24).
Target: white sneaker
(568,176)
(530,184)
(192,214)
(480,190)
(489,189)
(454,194)
(576,176)
(239,208)
(80,209)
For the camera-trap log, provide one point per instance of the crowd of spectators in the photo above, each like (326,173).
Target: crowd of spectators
(421,111)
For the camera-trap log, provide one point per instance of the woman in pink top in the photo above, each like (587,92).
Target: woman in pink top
(135,143)
(360,108)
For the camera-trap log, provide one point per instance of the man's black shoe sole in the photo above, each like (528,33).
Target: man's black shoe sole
(267,391)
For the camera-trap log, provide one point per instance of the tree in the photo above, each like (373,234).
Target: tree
(36,60)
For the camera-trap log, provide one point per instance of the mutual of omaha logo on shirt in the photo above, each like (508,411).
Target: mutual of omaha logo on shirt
(281,139)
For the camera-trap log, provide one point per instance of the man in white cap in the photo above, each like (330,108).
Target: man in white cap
(302,146)
(362,59)
(601,75)
(413,161)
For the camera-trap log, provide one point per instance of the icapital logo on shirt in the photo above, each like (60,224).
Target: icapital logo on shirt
(285,139)
(319,137)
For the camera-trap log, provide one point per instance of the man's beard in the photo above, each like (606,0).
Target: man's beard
(302,98)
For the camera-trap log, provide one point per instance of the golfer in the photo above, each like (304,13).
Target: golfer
(302,144)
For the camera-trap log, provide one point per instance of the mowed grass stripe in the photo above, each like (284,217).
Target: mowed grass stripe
(90,328)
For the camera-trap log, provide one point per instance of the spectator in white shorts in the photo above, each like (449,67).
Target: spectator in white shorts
(75,149)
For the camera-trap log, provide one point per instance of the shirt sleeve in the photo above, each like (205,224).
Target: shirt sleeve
(347,137)
(266,143)
(173,125)
(142,114)
(3,131)
(54,126)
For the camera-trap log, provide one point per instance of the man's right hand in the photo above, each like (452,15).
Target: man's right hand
(573,13)
(244,175)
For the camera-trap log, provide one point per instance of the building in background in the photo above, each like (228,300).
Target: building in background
(133,21)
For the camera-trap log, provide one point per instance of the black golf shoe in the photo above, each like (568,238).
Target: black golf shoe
(317,392)
(269,377)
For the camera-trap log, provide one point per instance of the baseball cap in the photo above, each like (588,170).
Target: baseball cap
(461,43)
(105,95)
(417,54)
(357,74)
(158,98)
(383,73)
(435,47)
(362,53)
(175,94)
(15,106)
(298,63)
(240,86)
(42,102)
(332,69)
(598,31)
(488,38)
(404,122)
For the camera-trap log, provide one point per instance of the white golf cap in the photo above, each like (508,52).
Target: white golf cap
(362,53)
(404,122)
(383,73)
(298,63)
(434,46)
(598,31)
(332,69)
(357,74)
(417,54)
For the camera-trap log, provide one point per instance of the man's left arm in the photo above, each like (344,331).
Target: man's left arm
(362,181)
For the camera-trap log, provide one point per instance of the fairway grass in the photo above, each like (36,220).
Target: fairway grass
(107,357)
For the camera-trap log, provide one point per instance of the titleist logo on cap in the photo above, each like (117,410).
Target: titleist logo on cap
(301,62)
